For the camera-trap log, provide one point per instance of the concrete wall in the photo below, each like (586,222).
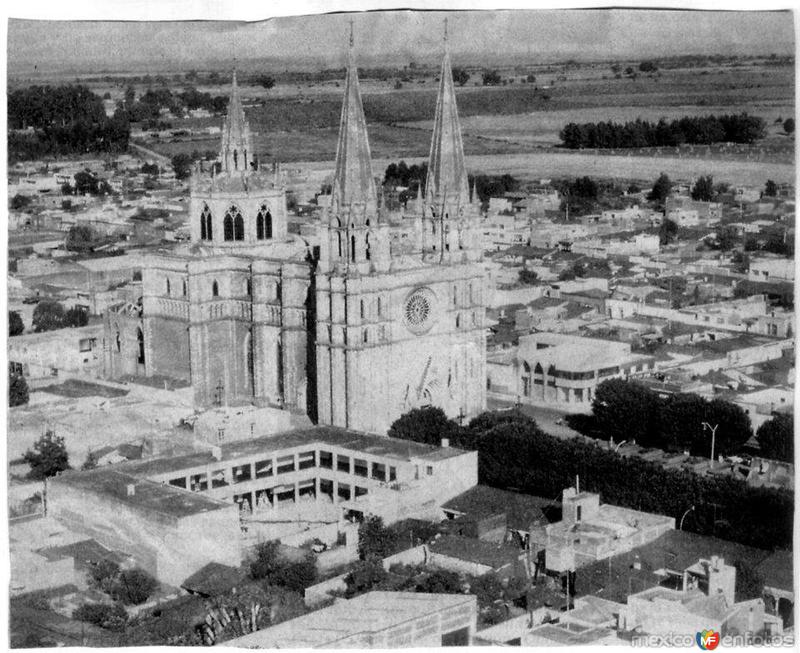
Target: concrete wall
(169,547)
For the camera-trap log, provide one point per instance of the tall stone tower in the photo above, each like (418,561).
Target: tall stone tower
(229,311)
(399,296)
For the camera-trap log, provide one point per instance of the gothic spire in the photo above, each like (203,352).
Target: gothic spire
(353,181)
(236,150)
(446,168)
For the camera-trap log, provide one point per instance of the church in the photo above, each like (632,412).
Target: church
(381,312)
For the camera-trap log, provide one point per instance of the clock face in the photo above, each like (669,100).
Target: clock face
(418,310)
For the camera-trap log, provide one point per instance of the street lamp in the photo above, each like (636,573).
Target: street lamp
(680,527)
(713,430)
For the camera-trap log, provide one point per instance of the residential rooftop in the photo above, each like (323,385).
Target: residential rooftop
(369,613)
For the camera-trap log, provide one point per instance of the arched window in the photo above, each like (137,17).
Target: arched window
(119,343)
(263,223)
(353,248)
(458,320)
(249,287)
(184,287)
(205,223)
(367,252)
(140,342)
(238,227)
(362,309)
(168,288)
(339,242)
(380,310)
(236,159)
(227,227)
(365,336)
(538,369)
(215,289)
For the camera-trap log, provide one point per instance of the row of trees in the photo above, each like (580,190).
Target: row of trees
(514,453)
(50,315)
(63,120)
(627,410)
(700,130)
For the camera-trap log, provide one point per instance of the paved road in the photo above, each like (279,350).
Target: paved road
(549,420)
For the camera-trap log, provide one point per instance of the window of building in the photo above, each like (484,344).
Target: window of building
(379,471)
(140,342)
(343,463)
(307,460)
(241,473)
(220,435)
(218,478)
(360,491)
(326,459)
(215,289)
(392,474)
(380,308)
(15,368)
(198,483)
(326,488)
(264,224)
(248,287)
(263,468)
(361,306)
(343,492)
(184,288)
(285,464)
(178,482)
(85,344)
(429,470)
(227,227)
(360,467)
(205,223)
(168,287)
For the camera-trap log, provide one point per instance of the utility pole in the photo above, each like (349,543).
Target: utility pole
(713,430)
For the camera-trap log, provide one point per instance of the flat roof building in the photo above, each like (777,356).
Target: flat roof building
(375,620)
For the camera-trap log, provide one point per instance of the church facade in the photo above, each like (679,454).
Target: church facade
(381,313)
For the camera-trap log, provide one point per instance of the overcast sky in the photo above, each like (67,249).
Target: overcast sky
(586,34)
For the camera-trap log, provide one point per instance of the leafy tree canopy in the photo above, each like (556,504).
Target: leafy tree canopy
(776,438)
(47,457)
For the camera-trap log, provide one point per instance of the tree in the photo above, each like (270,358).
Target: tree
(648,67)
(266,561)
(440,581)
(19,202)
(182,165)
(527,277)
(266,81)
(703,189)
(15,324)
(776,438)
(76,317)
(749,583)
(726,238)
(770,188)
(365,575)
(17,390)
(86,183)
(661,189)
(375,540)
(109,616)
(491,78)
(626,410)
(428,424)
(103,575)
(47,316)
(81,238)
(48,456)
(296,576)
(788,125)
(460,76)
(568,274)
(134,586)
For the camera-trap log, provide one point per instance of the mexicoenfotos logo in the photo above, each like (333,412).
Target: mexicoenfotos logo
(707,640)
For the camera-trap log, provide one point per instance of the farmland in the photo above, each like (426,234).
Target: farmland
(517,124)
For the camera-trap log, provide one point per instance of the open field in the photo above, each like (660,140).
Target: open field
(542,127)
(548,164)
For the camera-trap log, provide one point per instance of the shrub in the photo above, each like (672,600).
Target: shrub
(134,586)
(109,616)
